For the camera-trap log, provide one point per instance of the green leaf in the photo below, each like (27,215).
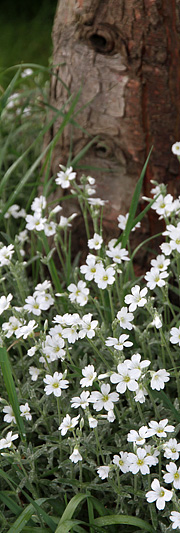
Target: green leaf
(8,91)
(166,402)
(69,511)
(10,503)
(23,518)
(67,525)
(11,390)
(123,519)
(133,207)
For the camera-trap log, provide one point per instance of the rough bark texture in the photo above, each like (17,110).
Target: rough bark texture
(125,53)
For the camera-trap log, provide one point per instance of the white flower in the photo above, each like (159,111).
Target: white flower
(6,253)
(34,373)
(14,211)
(104,276)
(26,72)
(120,343)
(53,348)
(104,399)
(79,293)
(5,303)
(175,335)
(55,384)
(176,148)
(166,248)
(32,306)
(11,326)
(157,322)
(9,416)
(103,472)
(50,228)
(89,376)
(160,262)
(136,299)
(87,327)
(155,278)
(68,423)
(159,379)
(39,203)
(75,456)
(139,437)
(137,364)
(35,221)
(126,378)
(92,422)
(95,242)
(123,221)
(122,461)
(111,416)
(97,202)
(7,441)
(25,411)
(65,176)
(154,453)
(25,331)
(173,475)
(44,300)
(81,401)
(32,351)
(175,518)
(172,449)
(117,253)
(139,462)
(158,494)
(141,394)
(89,269)
(125,318)
(163,205)
(160,429)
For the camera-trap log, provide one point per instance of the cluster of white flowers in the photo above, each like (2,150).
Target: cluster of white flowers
(41,300)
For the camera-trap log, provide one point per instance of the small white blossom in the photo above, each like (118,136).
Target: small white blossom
(158,494)
(139,437)
(92,422)
(55,384)
(104,276)
(81,401)
(103,472)
(95,242)
(175,518)
(157,322)
(140,462)
(68,423)
(137,298)
(155,278)
(104,399)
(122,461)
(5,303)
(65,176)
(39,203)
(125,318)
(176,148)
(111,416)
(126,378)
(89,269)
(9,415)
(34,373)
(7,441)
(35,222)
(171,449)
(6,253)
(78,293)
(119,344)
(89,376)
(160,262)
(173,475)
(75,456)
(160,429)
(175,335)
(87,327)
(25,411)
(27,330)
(117,253)
(159,379)
(11,326)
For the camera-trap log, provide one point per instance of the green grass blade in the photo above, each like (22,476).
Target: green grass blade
(68,525)
(11,390)
(123,519)
(166,402)
(83,152)
(10,503)
(69,511)
(7,93)
(36,505)
(145,210)
(134,204)
(23,518)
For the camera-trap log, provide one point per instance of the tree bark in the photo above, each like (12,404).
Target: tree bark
(125,54)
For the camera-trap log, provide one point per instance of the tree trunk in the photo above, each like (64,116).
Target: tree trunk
(125,55)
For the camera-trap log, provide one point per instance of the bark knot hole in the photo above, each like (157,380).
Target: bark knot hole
(101,41)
